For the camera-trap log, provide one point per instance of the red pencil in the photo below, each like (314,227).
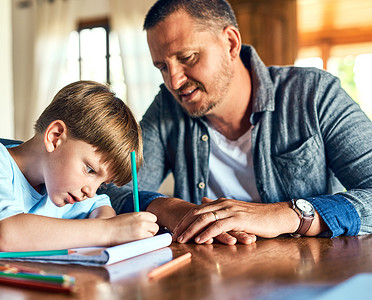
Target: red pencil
(37,285)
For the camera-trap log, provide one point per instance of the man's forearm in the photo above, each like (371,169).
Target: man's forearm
(169,211)
(318,225)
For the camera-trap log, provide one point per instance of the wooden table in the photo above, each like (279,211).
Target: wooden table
(265,270)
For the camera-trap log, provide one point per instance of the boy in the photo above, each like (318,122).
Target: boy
(82,139)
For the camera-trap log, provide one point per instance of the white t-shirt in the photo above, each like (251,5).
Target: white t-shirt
(18,196)
(231,173)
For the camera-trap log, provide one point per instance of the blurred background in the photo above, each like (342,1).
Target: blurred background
(46,44)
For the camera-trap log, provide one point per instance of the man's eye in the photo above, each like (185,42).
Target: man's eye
(90,170)
(188,58)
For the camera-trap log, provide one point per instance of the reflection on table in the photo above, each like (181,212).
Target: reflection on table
(279,268)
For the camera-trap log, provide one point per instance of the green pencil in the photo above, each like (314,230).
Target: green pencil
(34,253)
(134,179)
(65,279)
(38,285)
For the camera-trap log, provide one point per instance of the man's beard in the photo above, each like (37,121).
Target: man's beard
(201,112)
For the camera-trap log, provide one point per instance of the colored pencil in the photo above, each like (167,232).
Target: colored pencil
(170,266)
(134,181)
(15,268)
(63,279)
(37,285)
(34,253)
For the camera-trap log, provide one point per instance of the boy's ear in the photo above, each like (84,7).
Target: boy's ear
(54,135)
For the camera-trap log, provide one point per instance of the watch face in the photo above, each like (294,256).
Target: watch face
(305,206)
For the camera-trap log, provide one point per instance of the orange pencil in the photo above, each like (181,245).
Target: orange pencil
(170,266)
(15,268)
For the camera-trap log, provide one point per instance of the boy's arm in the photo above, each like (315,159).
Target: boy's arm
(102,212)
(33,232)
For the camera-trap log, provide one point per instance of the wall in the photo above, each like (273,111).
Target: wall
(270,27)
(89,9)
(6,74)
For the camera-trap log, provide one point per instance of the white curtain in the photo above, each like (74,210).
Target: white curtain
(141,77)
(6,71)
(39,58)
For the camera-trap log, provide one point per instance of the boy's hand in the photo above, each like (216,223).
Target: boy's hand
(131,226)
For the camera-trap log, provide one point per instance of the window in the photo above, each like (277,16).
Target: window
(93,53)
(352,64)
(337,36)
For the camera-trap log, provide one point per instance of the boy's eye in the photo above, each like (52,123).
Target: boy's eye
(90,170)
(162,68)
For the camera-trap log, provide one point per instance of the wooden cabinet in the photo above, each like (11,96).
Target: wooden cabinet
(270,26)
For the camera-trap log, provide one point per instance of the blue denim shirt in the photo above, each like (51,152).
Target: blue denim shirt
(308,136)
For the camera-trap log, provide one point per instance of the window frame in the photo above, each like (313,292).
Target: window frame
(90,24)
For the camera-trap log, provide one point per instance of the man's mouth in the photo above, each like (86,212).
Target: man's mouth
(188,95)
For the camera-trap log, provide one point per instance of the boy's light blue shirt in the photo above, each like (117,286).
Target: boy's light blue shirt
(18,196)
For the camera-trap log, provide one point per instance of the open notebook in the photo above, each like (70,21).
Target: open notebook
(101,256)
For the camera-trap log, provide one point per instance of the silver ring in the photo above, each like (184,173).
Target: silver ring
(215,215)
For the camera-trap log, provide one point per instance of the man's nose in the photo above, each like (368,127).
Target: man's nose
(177,77)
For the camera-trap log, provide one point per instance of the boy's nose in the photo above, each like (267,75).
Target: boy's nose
(88,191)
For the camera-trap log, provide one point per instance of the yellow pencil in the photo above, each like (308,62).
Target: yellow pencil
(170,266)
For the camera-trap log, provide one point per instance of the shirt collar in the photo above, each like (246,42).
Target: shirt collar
(262,85)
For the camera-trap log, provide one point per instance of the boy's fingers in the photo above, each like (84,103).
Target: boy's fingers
(153,228)
(148,216)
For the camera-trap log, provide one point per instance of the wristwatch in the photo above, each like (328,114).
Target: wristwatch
(306,212)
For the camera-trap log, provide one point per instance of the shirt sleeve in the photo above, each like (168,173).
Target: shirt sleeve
(10,205)
(338,213)
(347,135)
(145,198)
(82,210)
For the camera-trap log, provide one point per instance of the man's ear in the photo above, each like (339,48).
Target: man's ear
(234,40)
(54,135)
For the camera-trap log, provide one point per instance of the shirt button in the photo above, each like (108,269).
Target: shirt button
(201,185)
(204,137)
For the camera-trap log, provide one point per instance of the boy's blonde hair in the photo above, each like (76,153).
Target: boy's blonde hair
(94,115)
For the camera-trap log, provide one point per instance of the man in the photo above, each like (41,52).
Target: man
(265,142)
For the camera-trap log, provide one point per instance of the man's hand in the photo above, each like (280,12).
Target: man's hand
(213,218)
(171,210)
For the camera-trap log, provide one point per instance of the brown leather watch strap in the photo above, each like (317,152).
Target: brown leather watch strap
(305,221)
(305,224)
